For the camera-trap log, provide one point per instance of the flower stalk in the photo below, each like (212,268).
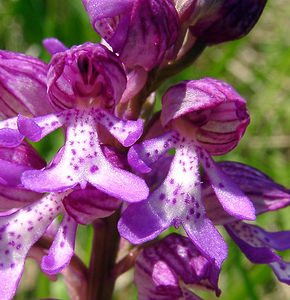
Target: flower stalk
(104,251)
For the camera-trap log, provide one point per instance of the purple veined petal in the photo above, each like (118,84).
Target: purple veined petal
(216,112)
(37,128)
(22,85)
(164,269)
(126,132)
(62,248)
(142,156)
(53,45)
(233,200)
(153,30)
(82,161)
(105,18)
(266,194)
(89,204)
(19,231)
(10,137)
(281,270)
(256,250)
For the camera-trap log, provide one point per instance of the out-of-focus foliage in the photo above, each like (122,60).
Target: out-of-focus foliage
(258,66)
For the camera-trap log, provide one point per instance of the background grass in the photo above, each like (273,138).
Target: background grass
(257,66)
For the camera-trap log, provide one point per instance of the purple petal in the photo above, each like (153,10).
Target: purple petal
(89,204)
(53,45)
(265,194)
(251,243)
(62,248)
(82,161)
(153,29)
(9,135)
(18,233)
(22,85)
(126,132)
(142,156)
(214,110)
(165,268)
(37,128)
(282,271)
(233,200)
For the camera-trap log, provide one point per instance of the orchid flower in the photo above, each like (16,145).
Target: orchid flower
(140,31)
(168,268)
(266,195)
(201,118)
(84,84)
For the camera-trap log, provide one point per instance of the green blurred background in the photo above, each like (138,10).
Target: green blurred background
(258,66)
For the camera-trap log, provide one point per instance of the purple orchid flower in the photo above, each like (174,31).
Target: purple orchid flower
(266,195)
(19,230)
(84,84)
(219,21)
(141,31)
(201,118)
(168,268)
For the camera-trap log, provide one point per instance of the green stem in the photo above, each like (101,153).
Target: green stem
(185,61)
(104,250)
(157,76)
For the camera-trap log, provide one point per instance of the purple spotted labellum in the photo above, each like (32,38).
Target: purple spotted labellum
(168,268)
(141,31)
(266,195)
(202,118)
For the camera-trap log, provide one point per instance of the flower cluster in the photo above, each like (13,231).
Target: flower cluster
(150,170)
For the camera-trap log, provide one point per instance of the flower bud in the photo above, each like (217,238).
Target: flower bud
(22,85)
(84,76)
(141,31)
(219,21)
